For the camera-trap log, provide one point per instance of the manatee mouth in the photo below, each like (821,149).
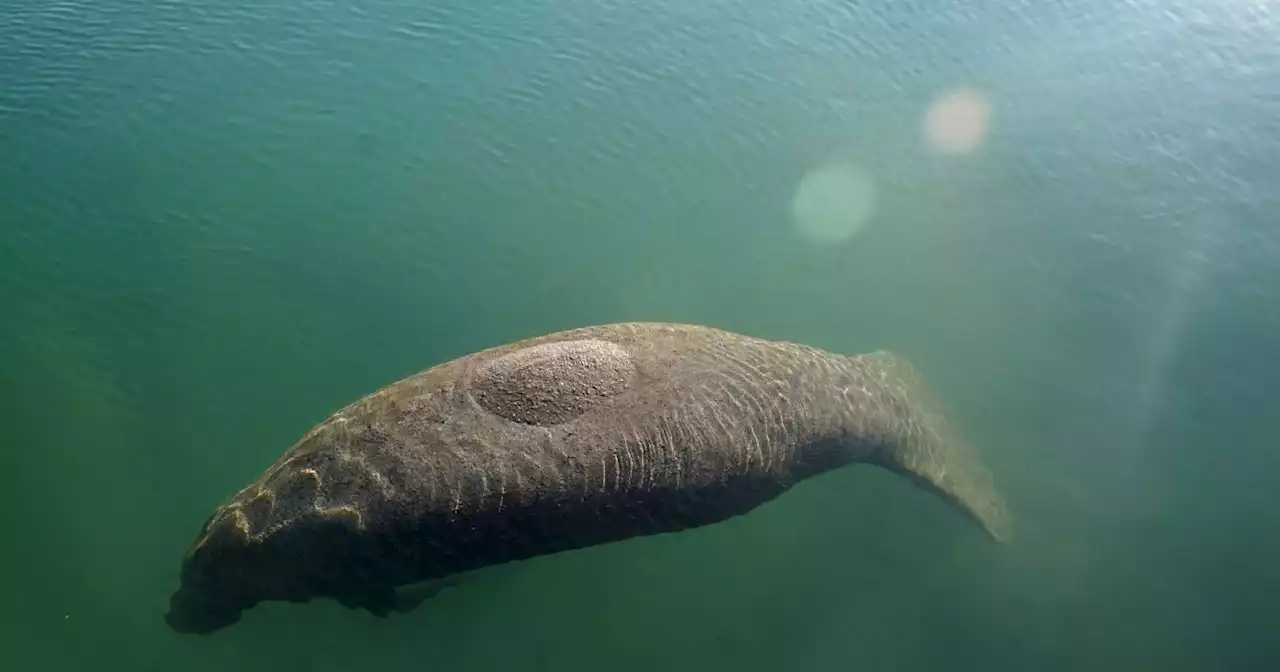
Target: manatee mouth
(194,616)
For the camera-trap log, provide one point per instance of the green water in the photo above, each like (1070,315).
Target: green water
(221,221)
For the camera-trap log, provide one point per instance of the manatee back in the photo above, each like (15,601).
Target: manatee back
(579,419)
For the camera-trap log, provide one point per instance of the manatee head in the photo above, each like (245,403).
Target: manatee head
(208,599)
(264,546)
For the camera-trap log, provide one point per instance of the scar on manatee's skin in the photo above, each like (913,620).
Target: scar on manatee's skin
(346,515)
(559,442)
(552,383)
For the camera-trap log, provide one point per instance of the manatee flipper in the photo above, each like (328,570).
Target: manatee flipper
(411,596)
(933,457)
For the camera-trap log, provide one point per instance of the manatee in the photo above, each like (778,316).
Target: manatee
(563,441)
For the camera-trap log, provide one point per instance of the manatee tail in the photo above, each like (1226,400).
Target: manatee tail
(927,452)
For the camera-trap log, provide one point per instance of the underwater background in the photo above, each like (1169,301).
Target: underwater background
(221,221)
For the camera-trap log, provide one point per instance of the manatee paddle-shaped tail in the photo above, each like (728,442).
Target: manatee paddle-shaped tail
(931,455)
(560,442)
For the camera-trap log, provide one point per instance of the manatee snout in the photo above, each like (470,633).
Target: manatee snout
(209,598)
(192,613)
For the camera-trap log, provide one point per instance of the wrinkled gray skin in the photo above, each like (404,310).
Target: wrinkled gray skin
(559,442)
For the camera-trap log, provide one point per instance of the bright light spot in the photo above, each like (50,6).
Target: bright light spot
(957,122)
(832,203)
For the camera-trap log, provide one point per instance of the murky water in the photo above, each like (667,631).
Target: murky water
(219,222)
